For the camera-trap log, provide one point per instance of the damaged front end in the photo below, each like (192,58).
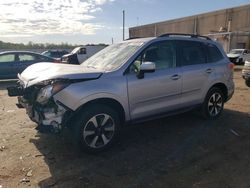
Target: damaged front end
(40,105)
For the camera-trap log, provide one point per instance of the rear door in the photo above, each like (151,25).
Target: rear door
(25,60)
(157,92)
(195,70)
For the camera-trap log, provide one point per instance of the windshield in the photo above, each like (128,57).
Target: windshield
(236,51)
(75,50)
(113,56)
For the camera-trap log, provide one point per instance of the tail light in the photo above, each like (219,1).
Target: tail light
(231,66)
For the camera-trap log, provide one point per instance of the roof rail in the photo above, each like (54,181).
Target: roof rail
(184,34)
(133,38)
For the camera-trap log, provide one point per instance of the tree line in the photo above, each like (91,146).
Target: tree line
(31,45)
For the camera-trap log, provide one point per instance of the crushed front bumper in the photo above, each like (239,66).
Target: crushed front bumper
(50,114)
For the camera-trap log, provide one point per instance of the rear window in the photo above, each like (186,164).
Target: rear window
(213,54)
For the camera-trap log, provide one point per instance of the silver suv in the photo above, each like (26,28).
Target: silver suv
(128,82)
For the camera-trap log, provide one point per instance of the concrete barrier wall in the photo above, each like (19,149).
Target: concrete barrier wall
(202,24)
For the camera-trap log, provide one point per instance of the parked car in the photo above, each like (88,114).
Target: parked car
(246,73)
(238,56)
(14,62)
(81,53)
(56,54)
(132,81)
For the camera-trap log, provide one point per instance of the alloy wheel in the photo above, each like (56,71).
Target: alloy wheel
(99,130)
(215,104)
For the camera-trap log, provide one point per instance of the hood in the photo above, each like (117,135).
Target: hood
(46,71)
(67,55)
(233,55)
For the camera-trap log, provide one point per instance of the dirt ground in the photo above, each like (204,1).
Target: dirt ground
(181,151)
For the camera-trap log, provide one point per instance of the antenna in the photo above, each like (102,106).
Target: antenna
(123,28)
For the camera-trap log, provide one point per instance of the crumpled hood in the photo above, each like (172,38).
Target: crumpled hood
(233,55)
(45,71)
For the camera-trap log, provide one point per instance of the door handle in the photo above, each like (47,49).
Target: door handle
(175,77)
(209,71)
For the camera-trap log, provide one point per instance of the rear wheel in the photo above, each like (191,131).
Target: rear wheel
(213,104)
(97,128)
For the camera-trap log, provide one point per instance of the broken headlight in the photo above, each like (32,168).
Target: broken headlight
(48,91)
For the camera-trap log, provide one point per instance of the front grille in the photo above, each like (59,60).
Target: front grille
(233,59)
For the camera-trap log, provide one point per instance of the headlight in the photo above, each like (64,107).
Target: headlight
(48,91)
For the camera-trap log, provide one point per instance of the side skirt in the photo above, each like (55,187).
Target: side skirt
(162,115)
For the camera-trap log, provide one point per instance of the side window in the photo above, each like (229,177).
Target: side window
(26,57)
(48,54)
(82,51)
(7,58)
(42,58)
(191,52)
(160,53)
(213,53)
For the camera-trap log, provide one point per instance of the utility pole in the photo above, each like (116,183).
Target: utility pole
(123,28)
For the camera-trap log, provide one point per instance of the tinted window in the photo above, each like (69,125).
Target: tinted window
(47,54)
(7,58)
(26,57)
(191,53)
(82,51)
(57,54)
(213,54)
(161,53)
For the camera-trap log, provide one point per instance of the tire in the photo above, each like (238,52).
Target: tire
(247,81)
(96,128)
(213,104)
(241,62)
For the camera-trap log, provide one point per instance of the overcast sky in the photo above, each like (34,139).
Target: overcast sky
(91,21)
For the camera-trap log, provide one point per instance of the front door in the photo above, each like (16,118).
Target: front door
(157,92)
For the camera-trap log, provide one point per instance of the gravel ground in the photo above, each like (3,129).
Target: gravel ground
(180,151)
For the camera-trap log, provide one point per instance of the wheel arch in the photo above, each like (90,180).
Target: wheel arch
(222,87)
(114,104)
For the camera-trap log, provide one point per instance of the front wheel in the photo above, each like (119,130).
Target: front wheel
(97,128)
(213,104)
(247,82)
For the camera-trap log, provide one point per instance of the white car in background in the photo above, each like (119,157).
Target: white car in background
(81,53)
(246,73)
(238,56)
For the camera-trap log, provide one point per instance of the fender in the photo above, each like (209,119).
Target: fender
(102,95)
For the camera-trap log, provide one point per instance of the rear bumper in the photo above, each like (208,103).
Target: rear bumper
(230,95)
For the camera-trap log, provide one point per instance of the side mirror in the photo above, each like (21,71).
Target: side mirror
(146,67)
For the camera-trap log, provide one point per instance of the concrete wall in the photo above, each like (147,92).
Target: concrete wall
(233,19)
